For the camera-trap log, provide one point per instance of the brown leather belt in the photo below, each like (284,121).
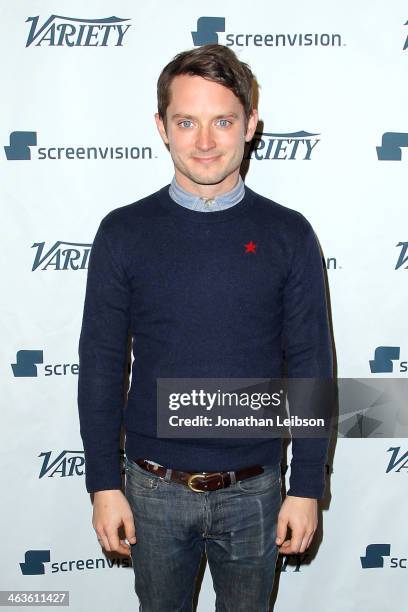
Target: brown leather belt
(201,481)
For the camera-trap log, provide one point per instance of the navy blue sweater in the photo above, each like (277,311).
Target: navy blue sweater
(198,303)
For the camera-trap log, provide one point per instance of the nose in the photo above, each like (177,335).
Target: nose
(205,139)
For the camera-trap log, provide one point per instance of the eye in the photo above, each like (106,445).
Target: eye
(224,122)
(185,123)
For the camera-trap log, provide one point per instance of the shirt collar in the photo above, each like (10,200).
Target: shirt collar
(195,202)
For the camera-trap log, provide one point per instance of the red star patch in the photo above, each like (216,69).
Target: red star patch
(250,247)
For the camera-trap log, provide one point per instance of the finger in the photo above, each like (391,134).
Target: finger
(295,542)
(103,540)
(115,544)
(310,540)
(127,546)
(130,532)
(282,549)
(281,529)
(304,543)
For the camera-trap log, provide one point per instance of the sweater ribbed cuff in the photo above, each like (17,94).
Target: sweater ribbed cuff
(307,480)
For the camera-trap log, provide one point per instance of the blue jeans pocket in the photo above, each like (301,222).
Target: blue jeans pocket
(138,478)
(261,482)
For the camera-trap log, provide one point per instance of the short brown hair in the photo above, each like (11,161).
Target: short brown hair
(214,62)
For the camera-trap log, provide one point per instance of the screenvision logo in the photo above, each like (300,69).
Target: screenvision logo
(374,557)
(35,560)
(28,360)
(384,356)
(293,145)
(391,144)
(61,256)
(208,29)
(59,31)
(20,143)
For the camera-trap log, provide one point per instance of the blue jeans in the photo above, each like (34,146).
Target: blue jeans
(235,527)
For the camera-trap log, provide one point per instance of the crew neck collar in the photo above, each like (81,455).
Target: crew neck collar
(196,216)
(195,202)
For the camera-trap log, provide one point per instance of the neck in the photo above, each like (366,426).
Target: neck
(207,191)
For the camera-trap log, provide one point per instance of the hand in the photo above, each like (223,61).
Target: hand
(111,510)
(300,514)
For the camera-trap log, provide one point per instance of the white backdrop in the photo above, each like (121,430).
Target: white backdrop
(101,94)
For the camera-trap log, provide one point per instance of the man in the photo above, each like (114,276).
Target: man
(213,280)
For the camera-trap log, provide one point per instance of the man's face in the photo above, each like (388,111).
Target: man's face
(205,132)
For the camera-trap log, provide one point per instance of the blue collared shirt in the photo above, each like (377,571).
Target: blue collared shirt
(195,202)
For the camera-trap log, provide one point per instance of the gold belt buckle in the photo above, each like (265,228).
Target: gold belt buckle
(202,475)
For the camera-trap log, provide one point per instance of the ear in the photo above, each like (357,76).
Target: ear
(252,123)
(161,128)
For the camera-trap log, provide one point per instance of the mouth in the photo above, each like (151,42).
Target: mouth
(205,160)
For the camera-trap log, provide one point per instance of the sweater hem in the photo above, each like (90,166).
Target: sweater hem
(197,456)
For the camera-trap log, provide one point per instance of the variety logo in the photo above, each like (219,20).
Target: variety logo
(403,256)
(209,29)
(59,31)
(66,463)
(293,145)
(299,559)
(35,560)
(397,462)
(391,144)
(28,360)
(20,143)
(375,557)
(384,356)
(61,256)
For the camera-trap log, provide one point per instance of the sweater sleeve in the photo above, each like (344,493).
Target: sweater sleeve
(103,349)
(308,351)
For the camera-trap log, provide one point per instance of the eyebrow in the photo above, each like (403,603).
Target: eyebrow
(187,116)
